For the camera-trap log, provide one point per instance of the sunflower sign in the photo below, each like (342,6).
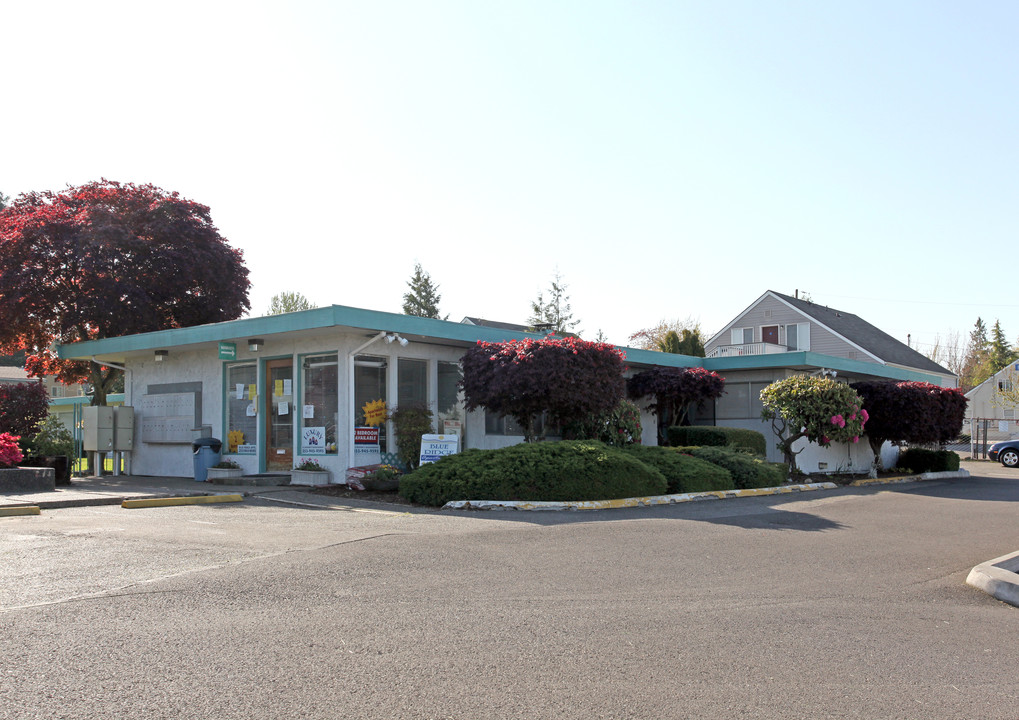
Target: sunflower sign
(374,413)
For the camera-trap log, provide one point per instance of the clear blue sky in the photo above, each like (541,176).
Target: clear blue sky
(671,159)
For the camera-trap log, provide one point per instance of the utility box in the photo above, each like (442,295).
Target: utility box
(98,435)
(123,428)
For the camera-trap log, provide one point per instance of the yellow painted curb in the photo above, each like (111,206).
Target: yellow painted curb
(21,510)
(196,500)
(884,481)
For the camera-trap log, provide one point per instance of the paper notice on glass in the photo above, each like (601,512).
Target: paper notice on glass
(252,392)
(288,387)
(277,388)
(251,410)
(284,408)
(309,412)
(240,391)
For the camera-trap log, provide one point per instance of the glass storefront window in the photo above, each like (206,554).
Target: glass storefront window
(450,406)
(412,376)
(370,392)
(240,403)
(319,404)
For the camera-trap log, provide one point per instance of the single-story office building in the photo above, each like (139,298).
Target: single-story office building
(317,384)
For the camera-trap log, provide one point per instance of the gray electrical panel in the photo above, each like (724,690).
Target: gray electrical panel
(123,428)
(98,435)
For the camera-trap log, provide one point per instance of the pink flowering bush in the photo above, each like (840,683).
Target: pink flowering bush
(10,453)
(817,408)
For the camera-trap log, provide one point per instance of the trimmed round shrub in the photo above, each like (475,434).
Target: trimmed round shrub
(716,435)
(747,471)
(919,460)
(566,470)
(684,473)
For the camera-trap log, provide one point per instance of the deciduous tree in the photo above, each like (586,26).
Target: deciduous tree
(688,339)
(915,412)
(286,302)
(23,406)
(568,378)
(672,391)
(107,259)
(817,408)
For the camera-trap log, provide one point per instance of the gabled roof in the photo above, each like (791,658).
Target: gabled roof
(481,322)
(868,337)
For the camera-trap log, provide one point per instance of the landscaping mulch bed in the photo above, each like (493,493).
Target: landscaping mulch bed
(342,491)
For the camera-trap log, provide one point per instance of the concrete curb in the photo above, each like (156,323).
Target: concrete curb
(947,474)
(12,511)
(648,501)
(192,500)
(998,578)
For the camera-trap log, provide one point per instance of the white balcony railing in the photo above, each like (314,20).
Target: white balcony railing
(761,348)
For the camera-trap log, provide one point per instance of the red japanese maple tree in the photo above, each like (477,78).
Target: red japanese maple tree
(568,378)
(107,259)
(672,390)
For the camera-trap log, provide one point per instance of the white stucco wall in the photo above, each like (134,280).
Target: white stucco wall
(204,366)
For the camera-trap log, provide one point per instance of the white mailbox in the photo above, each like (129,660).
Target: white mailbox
(123,428)
(98,435)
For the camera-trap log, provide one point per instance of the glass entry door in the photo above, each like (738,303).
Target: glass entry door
(279,415)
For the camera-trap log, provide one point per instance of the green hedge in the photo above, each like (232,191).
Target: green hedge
(683,472)
(747,471)
(566,470)
(919,460)
(717,436)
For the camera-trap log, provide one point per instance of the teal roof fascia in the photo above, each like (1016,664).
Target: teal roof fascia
(315,319)
(806,359)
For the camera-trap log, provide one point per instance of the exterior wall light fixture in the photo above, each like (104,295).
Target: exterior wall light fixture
(255,344)
(161,355)
(394,336)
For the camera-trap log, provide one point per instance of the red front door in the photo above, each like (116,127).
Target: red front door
(769,334)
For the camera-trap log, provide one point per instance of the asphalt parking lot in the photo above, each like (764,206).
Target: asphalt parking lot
(846,603)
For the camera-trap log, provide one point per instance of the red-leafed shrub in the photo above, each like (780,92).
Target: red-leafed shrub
(23,406)
(568,378)
(914,412)
(673,390)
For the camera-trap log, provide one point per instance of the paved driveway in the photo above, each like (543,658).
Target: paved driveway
(843,604)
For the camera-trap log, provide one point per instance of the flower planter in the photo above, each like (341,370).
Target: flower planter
(215,473)
(309,477)
(28,479)
(61,465)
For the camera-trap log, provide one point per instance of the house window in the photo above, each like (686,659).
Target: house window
(320,404)
(496,424)
(1008,413)
(797,337)
(742,336)
(1005,385)
(241,402)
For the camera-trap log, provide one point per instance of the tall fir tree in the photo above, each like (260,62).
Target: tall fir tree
(999,352)
(554,315)
(423,297)
(976,367)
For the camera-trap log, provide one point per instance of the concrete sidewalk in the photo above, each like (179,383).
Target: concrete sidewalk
(114,489)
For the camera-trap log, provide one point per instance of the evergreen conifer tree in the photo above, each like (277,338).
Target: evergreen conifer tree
(423,297)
